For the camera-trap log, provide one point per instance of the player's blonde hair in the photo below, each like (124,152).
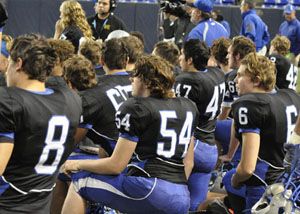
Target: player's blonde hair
(262,67)
(281,44)
(73,14)
(156,73)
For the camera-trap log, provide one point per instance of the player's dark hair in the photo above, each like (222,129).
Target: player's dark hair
(80,72)
(38,58)
(262,67)
(199,51)
(135,47)
(168,50)
(139,35)
(243,46)
(114,53)
(219,50)
(156,73)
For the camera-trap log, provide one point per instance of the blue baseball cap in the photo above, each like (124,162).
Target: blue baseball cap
(204,5)
(289,8)
(3,48)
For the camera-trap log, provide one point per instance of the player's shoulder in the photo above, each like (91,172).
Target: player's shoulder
(254,99)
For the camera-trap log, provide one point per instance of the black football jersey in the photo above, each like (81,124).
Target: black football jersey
(42,126)
(56,81)
(206,89)
(286,72)
(162,129)
(231,91)
(273,116)
(100,104)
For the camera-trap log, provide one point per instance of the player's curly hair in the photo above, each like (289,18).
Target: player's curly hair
(199,51)
(219,50)
(80,72)
(38,58)
(281,44)
(64,49)
(262,67)
(73,14)
(91,50)
(243,46)
(167,50)
(8,39)
(156,73)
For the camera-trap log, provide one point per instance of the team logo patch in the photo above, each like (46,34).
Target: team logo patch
(249,27)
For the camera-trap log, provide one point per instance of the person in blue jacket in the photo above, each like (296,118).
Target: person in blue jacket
(291,29)
(253,26)
(206,28)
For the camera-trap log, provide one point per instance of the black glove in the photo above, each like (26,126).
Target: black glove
(3,15)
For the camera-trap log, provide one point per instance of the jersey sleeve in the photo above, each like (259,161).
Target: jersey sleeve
(248,116)
(131,119)
(7,124)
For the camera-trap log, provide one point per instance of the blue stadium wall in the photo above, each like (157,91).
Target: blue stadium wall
(39,16)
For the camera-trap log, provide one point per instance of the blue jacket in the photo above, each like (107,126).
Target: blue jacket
(226,25)
(208,30)
(292,31)
(255,29)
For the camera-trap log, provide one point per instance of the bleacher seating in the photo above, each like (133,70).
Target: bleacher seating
(280,3)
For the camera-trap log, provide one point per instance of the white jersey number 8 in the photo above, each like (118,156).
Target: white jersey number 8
(53,144)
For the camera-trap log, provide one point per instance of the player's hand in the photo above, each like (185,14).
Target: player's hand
(235,183)
(225,158)
(70,165)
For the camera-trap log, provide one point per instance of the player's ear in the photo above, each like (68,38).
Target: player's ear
(190,61)
(257,81)
(19,63)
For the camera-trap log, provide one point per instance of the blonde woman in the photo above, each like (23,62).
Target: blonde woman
(72,24)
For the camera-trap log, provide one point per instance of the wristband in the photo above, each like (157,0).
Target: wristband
(294,138)
(1,29)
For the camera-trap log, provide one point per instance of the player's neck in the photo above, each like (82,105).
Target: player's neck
(110,72)
(103,16)
(130,67)
(225,68)
(32,85)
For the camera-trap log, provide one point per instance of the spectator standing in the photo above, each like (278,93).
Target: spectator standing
(177,28)
(105,21)
(72,24)
(291,29)
(253,26)
(217,16)
(206,28)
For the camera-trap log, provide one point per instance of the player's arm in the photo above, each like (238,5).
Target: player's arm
(111,165)
(189,159)
(224,113)
(233,146)
(246,167)
(5,153)
(80,134)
